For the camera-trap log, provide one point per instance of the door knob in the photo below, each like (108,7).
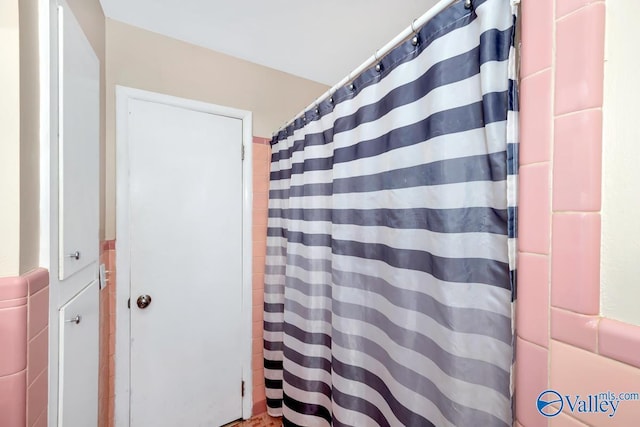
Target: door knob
(75,255)
(143,301)
(75,320)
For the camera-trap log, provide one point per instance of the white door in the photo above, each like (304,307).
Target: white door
(185,225)
(78,358)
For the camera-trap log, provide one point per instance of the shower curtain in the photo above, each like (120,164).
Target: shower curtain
(391,237)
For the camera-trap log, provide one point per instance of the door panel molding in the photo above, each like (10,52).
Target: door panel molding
(124,95)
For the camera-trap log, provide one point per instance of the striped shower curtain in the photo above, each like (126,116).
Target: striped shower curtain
(391,237)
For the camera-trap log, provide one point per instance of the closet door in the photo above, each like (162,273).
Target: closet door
(78,359)
(79,89)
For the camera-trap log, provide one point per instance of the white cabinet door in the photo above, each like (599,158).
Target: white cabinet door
(79,92)
(78,359)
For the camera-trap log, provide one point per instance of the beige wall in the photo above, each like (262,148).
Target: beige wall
(9,139)
(29,137)
(145,60)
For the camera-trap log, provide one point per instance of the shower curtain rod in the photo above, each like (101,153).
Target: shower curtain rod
(411,29)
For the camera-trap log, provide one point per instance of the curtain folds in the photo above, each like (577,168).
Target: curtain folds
(391,237)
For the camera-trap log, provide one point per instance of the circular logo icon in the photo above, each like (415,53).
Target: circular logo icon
(545,403)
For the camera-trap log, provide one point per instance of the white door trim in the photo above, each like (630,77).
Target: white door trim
(122,339)
(48,55)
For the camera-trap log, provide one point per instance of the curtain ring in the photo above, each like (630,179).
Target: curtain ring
(351,86)
(414,40)
(378,65)
(467,4)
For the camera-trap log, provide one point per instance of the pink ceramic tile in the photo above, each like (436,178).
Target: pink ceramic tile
(260,184)
(13,340)
(564,7)
(575,262)
(258,312)
(261,161)
(112,345)
(10,303)
(577,162)
(37,279)
(260,217)
(258,281)
(260,200)
(579,372)
(517,424)
(259,407)
(112,325)
(261,156)
(563,420)
(257,363)
(261,177)
(257,346)
(38,355)
(38,312)
(534,209)
(13,400)
(258,297)
(531,380)
(109,245)
(258,378)
(41,421)
(619,341)
(261,140)
(37,395)
(537,35)
(257,326)
(13,288)
(580,60)
(259,248)
(112,261)
(258,391)
(575,329)
(259,232)
(532,313)
(258,265)
(535,118)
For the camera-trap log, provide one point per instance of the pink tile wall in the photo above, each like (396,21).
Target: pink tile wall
(24,315)
(14,293)
(261,166)
(38,347)
(563,343)
(106,366)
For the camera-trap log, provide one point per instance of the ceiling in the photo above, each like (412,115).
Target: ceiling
(321,41)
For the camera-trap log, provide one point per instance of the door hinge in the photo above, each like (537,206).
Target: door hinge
(129,303)
(242,389)
(242,151)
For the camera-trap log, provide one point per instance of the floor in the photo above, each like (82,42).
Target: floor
(263,420)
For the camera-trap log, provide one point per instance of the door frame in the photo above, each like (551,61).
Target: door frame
(48,29)
(122,335)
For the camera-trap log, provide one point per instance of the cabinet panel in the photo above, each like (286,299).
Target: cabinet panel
(78,359)
(79,140)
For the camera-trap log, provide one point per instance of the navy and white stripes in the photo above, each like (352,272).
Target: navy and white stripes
(391,237)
